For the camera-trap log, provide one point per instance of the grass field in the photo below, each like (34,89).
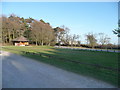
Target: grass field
(96,64)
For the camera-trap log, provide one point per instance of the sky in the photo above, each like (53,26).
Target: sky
(80,17)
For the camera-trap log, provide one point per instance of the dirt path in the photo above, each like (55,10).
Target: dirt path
(21,72)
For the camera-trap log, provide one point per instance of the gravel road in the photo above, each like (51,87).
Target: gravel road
(22,72)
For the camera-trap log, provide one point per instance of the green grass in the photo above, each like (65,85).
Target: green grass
(107,59)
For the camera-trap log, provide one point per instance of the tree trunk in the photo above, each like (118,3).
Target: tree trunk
(42,42)
(13,35)
(36,43)
(6,39)
(9,36)
(92,46)
(59,43)
(72,44)
(49,44)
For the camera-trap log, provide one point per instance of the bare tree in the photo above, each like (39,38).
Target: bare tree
(42,33)
(36,31)
(91,38)
(74,39)
(67,39)
(61,34)
(103,39)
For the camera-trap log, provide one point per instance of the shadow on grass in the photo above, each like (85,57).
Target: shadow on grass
(68,60)
(107,75)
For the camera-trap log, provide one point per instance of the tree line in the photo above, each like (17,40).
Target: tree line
(39,32)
